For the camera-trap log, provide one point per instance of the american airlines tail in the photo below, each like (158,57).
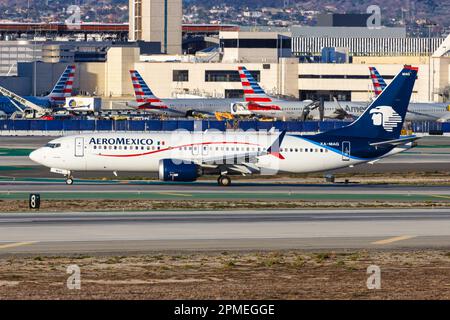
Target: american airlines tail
(143,92)
(384,117)
(64,87)
(378,82)
(252,91)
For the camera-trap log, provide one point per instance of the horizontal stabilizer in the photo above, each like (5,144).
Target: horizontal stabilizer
(395,142)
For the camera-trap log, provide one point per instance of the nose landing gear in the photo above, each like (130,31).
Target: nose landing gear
(69,178)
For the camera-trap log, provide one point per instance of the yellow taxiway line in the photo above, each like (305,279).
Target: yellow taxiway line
(175,194)
(439,196)
(17,244)
(394,239)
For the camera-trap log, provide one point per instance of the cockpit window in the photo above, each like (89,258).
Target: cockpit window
(53,145)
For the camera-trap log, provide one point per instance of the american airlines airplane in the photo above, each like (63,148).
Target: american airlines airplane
(184,156)
(146,100)
(57,97)
(417,111)
(259,103)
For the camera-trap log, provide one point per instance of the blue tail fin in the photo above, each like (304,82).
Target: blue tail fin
(384,117)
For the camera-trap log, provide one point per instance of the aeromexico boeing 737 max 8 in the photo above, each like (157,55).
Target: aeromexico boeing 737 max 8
(183,156)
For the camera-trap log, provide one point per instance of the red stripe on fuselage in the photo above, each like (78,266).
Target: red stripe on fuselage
(257,107)
(172,148)
(258,99)
(151,107)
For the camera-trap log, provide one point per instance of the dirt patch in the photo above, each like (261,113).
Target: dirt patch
(420,274)
(149,205)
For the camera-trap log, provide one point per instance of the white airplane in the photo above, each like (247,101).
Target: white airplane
(259,103)
(184,156)
(188,107)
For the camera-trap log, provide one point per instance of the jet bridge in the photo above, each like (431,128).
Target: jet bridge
(22,101)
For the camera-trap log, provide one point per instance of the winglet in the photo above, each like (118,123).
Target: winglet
(274,149)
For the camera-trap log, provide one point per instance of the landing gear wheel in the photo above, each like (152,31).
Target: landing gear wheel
(69,181)
(224,181)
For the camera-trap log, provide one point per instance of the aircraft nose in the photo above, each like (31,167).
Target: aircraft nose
(36,156)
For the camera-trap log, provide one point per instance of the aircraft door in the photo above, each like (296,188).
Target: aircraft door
(79,147)
(346,150)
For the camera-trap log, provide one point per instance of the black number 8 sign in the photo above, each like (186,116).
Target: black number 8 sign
(35,201)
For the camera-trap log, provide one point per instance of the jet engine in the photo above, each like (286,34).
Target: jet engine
(170,171)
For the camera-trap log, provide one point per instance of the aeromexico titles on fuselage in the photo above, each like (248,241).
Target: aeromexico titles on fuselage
(121,141)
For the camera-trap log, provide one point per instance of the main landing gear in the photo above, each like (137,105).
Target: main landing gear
(224,181)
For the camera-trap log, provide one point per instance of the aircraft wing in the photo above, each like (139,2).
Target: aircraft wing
(444,118)
(396,142)
(244,163)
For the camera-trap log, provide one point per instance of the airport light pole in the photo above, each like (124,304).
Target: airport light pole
(430,89)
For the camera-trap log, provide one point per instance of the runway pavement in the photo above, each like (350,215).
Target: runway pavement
(58,190)
(130,232)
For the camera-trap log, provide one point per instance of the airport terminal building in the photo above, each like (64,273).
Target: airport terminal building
(267,54)
(296,63)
